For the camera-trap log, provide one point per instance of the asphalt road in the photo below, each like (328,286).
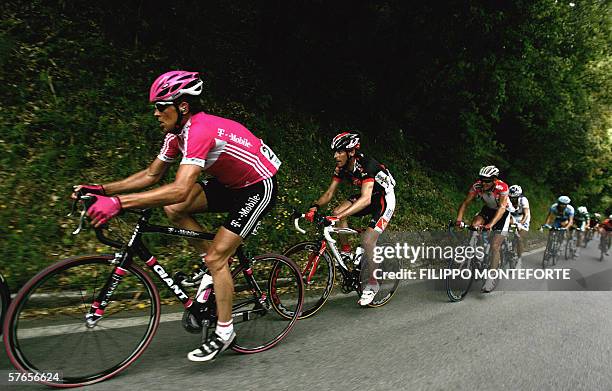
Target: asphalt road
(507,340)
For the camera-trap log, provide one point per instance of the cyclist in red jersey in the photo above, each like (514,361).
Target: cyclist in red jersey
(243,185)
(494,215)
(605,229)
(377,199)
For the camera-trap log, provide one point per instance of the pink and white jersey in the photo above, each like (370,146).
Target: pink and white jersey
(223,148)
(491,197)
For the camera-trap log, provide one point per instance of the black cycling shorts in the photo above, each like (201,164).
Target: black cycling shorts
(381,209)
(245,206)
(502,224)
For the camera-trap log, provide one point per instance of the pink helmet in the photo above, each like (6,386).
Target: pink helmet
(174,84)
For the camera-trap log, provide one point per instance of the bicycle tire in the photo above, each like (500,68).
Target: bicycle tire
(5,300)
(457,289)
(318,287)
(555,251)
(21,343)
(386,286)
(284,294)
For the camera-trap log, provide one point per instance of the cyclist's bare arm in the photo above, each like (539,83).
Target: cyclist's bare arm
(526,215)
(329,194)
(466,202)
(362,202)
(172,193)
(140,180)
(549,218)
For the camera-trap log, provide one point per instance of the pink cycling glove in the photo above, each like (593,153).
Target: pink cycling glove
(104,209)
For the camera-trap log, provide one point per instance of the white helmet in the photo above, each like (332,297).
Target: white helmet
(515,191)
(597,215)
(582,209)
(488,172)
(564,200)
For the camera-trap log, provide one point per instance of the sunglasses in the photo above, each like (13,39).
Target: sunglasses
(161,106)
(487,180)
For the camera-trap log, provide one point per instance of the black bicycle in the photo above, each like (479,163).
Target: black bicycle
(509,249)
(571,243)
(553,246)
(5,299)
(459,281)
(90,317)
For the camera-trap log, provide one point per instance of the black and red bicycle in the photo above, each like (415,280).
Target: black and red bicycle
(90,317)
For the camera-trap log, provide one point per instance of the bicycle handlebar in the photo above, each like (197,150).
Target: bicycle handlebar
(328,225)
(87,201)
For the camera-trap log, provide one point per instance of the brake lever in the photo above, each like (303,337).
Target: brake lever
(82,214)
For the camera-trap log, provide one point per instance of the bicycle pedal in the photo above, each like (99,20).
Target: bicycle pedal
(191,323)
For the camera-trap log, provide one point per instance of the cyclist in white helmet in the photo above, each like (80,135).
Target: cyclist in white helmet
(561,213)
(582,220)
(521,215)
(494,215)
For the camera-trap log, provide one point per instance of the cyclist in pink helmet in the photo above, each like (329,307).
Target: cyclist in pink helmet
(243,184)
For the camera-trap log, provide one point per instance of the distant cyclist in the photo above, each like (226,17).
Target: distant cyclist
(605,228)
(243,184)
(376,198)
(595,220)
(581,222)
(561,213)
(521,215)
(494,214)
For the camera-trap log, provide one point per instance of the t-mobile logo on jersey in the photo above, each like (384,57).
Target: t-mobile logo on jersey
(250,204)
(234,138)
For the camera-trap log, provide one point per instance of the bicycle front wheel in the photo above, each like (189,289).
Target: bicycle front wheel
(318,274)
(5,299)
(46,331)
(459,281)
(268,299)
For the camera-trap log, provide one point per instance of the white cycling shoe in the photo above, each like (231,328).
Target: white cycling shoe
(368,294)
(211,348)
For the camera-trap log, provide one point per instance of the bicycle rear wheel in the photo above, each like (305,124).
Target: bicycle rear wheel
(5,299)
(268,299)
(45,329)
(388,278)
(318,274)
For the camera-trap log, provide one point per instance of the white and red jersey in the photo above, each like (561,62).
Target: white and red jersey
(223,148)
(490,197)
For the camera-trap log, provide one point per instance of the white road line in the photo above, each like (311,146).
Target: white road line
(103,325)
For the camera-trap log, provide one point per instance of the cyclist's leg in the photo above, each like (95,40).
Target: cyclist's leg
(249,205)
(496,243)
(246,208)
(343,223)
(222,247)
(180,215)
(381,216)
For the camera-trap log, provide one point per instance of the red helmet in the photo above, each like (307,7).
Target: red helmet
(172,85)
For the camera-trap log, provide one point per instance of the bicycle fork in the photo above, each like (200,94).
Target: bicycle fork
(96,311)
(313,262)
